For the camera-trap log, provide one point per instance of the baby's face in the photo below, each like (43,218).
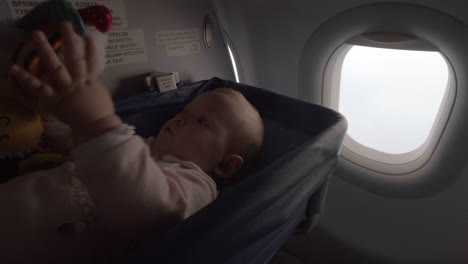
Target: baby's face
(201,133)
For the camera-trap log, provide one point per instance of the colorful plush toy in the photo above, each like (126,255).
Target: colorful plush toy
(22,117)
(47,17)
(20,128)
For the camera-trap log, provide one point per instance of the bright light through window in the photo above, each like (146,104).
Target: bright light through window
(233,61)
(391,97)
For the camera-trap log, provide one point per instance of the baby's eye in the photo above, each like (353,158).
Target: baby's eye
(202,122)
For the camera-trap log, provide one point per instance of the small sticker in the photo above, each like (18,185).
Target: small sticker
(166,83)
(176,36)
(117,8)
(125,46)
(183,48)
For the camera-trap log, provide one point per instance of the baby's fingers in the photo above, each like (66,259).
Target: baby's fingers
(55,70)
(92,57)
(74,52)
(31,84)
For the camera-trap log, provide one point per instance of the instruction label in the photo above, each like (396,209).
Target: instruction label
(176,36)
(125,46)
(183,48)
(117,8)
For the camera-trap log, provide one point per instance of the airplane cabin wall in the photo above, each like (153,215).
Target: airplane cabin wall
(153,16)
(269,36)
(357,225)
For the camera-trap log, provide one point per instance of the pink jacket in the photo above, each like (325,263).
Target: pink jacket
(114,196)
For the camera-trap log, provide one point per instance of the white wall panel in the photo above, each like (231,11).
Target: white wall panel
(152,16)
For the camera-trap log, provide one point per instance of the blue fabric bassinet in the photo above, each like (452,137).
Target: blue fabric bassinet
(282,194)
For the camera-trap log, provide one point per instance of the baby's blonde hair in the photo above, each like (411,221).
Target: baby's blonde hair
(251,139)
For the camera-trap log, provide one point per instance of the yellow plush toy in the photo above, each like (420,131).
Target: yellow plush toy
(20,132)
(22,145)
(20,129)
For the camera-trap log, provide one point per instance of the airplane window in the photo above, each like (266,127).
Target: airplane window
(233,62)
(391,97)
(400,85)
(397,102)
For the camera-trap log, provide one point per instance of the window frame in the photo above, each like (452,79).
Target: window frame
(447,163)
(394,164)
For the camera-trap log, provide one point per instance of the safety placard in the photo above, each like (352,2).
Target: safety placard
(183,48)
(125,46)
(176,36)
(119,15)
(180,42)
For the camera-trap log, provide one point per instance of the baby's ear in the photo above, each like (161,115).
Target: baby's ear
(229,166)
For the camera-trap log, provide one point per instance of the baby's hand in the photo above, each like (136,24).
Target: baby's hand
(72,91)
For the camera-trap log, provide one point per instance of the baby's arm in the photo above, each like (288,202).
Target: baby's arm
(73,92)
(129,189)
(57,135)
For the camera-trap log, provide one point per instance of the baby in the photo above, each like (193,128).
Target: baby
(119,191)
